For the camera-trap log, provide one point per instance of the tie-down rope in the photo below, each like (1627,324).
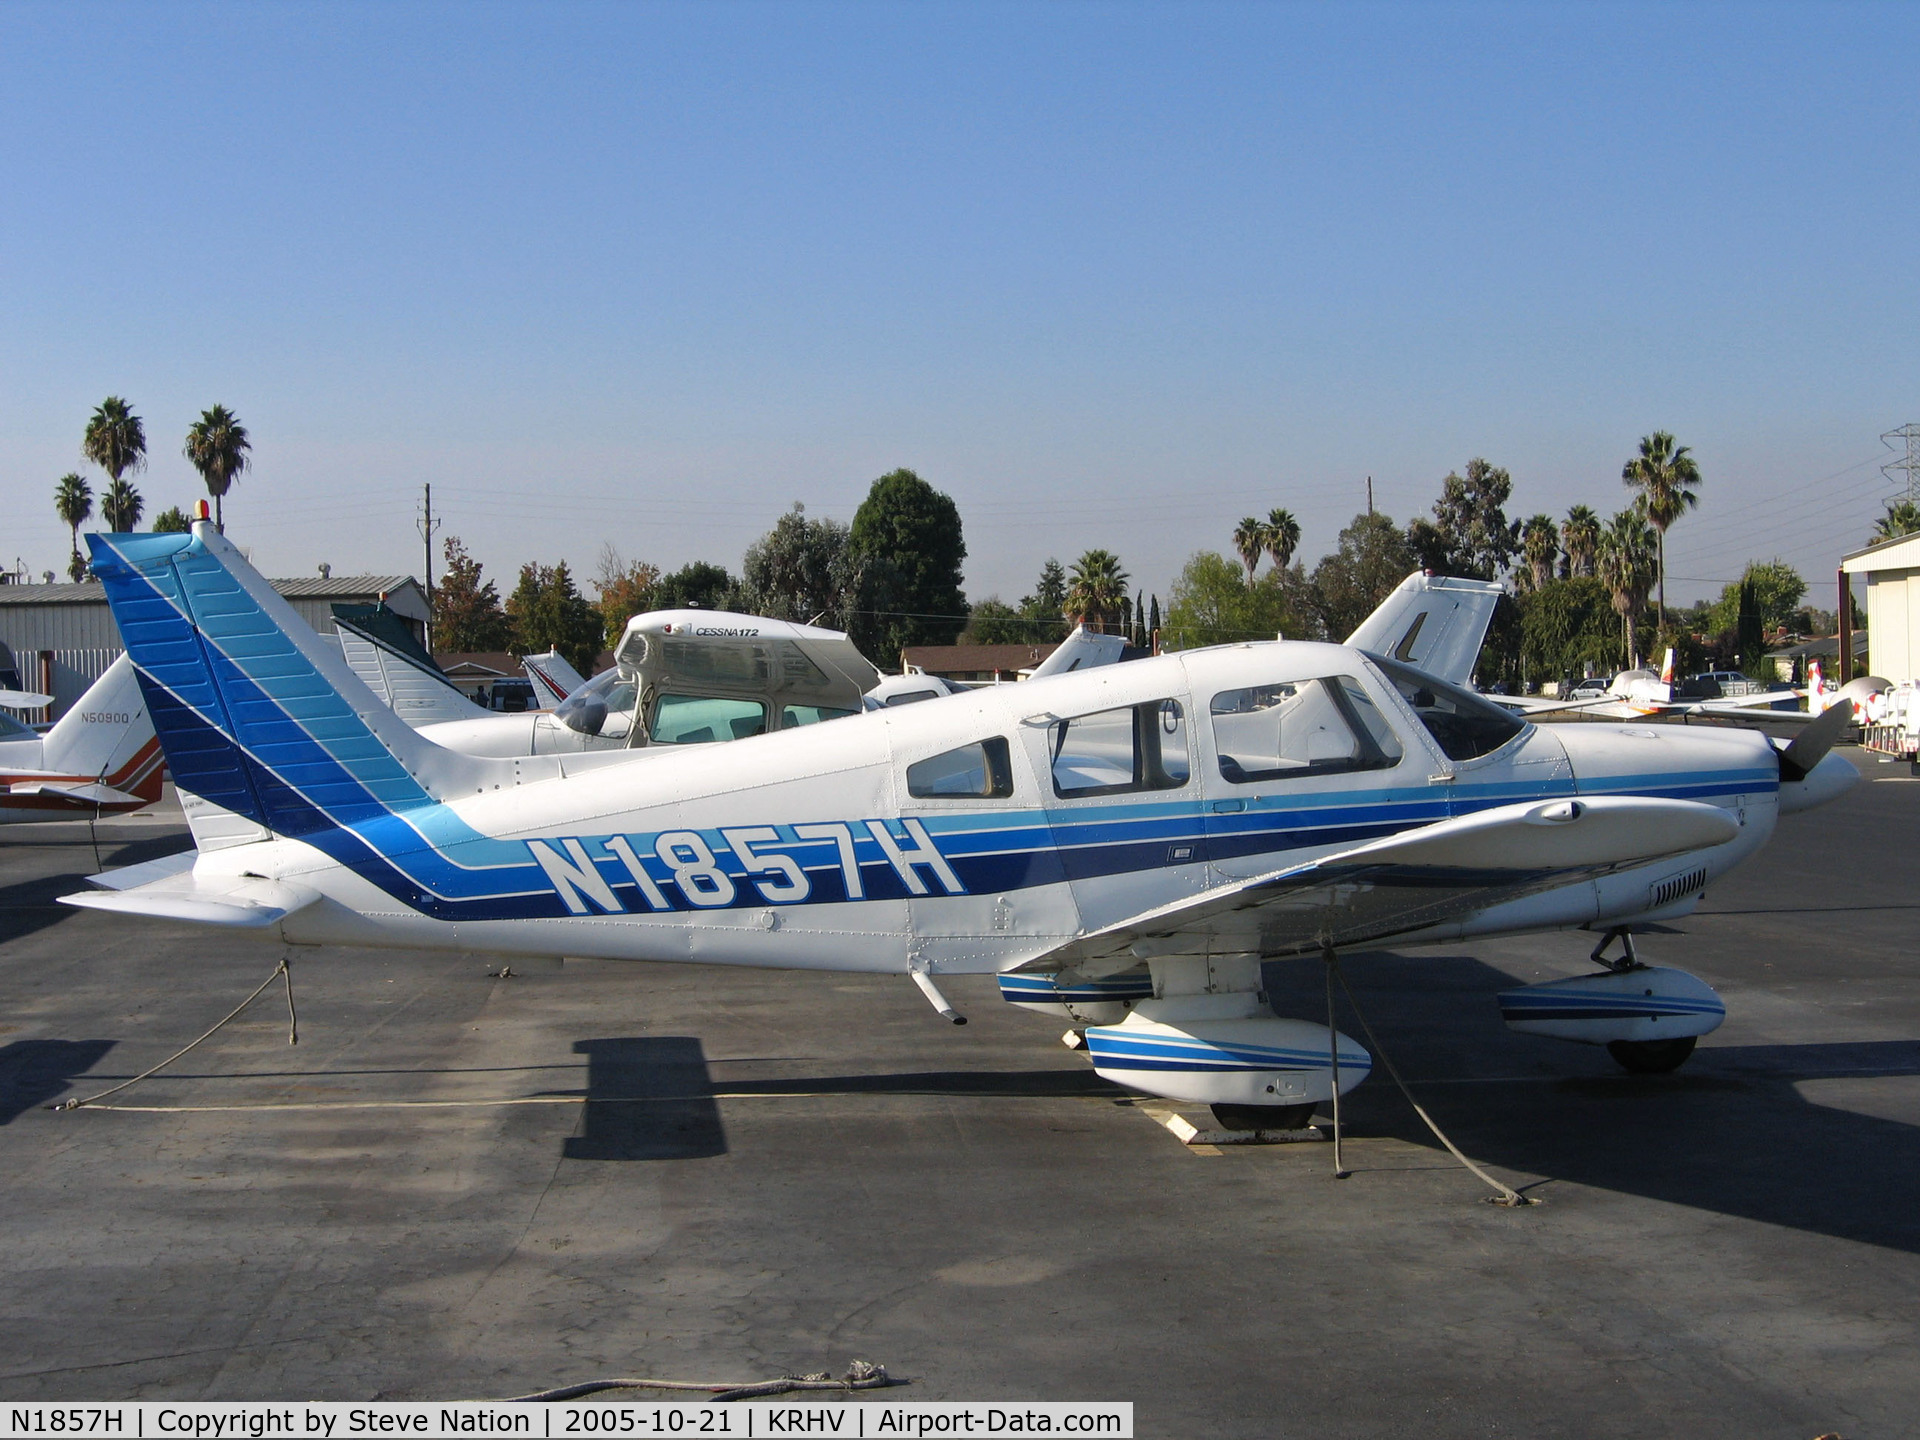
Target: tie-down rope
(1508,1195)
(860,1376)
(285,967)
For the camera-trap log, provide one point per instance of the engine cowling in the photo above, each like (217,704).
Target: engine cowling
(1650,1002)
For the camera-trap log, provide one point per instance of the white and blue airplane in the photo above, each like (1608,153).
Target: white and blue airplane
(1122,845)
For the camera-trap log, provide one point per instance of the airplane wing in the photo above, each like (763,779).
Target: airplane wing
(81,794)
(235,901)
(1407,882)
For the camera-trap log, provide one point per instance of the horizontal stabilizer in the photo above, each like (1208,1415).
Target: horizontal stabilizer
(24,699)
(238,902)
(83,794)
(126,877)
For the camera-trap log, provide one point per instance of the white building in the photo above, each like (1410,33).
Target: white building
(62,637)
(1891,574)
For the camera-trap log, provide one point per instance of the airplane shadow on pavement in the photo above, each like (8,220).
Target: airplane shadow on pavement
(1732,1131)
(648,1098)
(38,1072)
(34,905)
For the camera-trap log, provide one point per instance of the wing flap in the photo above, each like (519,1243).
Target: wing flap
(1409,881)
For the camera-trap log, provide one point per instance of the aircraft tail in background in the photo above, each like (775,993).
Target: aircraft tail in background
(1434,623)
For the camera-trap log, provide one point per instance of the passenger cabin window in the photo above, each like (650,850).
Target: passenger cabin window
(603,707)
(1464,725)
(976,772)
(792,715)
(701,719)
(1140,747)
(1306,727)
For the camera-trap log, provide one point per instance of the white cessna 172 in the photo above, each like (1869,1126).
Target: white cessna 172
(1122,845)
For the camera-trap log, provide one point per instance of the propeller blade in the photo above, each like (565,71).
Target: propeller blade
(1811,745)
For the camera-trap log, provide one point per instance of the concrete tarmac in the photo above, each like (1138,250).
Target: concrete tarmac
(781,1172)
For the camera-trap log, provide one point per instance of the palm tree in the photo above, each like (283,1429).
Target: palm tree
(73,502)
(1663,472)
(1096,588)
(1580,538)
(120,507)
(1250,539)
(1902,518)
(217,445)
(1625,563)
(115,441)
(1540,546)
(1282,537)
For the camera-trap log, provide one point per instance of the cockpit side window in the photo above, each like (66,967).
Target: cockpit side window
(1112,752)
(1288,731)
(982,771)
(1463,724)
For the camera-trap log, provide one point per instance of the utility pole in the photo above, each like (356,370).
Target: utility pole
(427,526)
(1369,496)
(1910,465)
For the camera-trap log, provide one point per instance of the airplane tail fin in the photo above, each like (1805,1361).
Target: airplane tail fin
(1435,623)
(1666,668)
(107,736)
(264,726)
(553,678)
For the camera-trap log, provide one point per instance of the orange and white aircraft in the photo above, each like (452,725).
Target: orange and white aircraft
(100,758)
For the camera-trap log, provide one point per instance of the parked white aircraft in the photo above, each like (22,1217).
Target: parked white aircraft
(1641,694)
(100,758)
(1124,845)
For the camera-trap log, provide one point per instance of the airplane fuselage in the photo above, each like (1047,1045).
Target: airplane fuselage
(855,845)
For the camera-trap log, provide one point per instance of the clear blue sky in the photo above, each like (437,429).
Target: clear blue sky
(1109,274)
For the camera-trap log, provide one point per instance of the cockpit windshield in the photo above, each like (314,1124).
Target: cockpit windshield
(1464,725)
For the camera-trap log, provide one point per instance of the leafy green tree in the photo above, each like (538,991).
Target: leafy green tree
(701,583)
(172,521)
(1370,558)
(120,507)
(626,588)
(1580,539)
(116,441)
(1212,604)
(1250,543)
(1902,518)
(217,445)
(1096,590)
(1566,626)
(907,544)
(1153,620)
(1777,591)
(802,570)
(1045,609)
(1750,627)
(1626,566)
(466,607)
(1281,536)
(994,622)
(73,502)
(1469,534)
(1664,474)
(1539,547)
(546,612)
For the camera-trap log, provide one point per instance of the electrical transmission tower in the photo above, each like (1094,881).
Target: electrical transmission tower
(1910,465)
